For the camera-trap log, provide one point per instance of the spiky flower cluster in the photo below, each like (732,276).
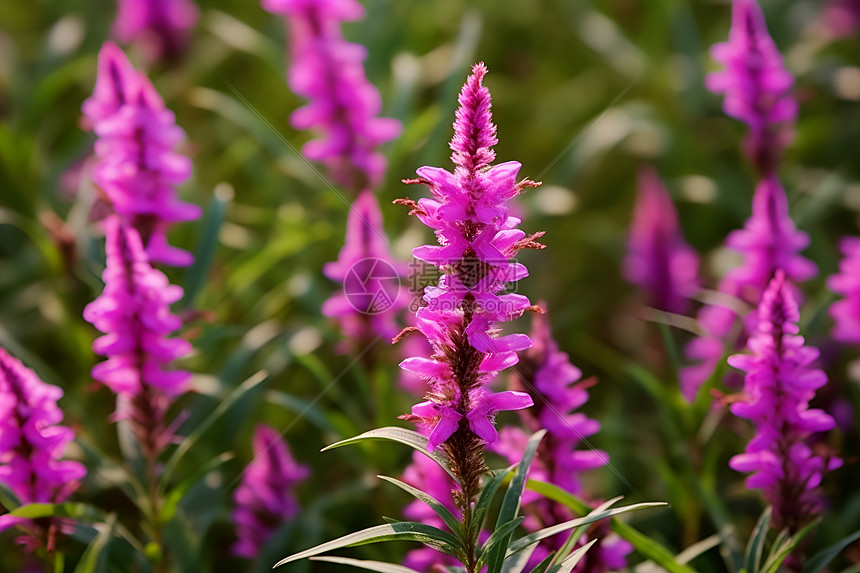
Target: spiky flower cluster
(768,242)
(136,167)
(369,275)
(658,259)
(778,387)
(134,313)
(343,105)
(265,499)
(31,447)
(846,312)
(756,85)
(161,26)
(547,374)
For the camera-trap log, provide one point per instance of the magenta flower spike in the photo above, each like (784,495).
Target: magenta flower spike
(846,312)
(658,259)
(134,314)
(32,443)
(265,498)
(553,383)
(161,27)
(778,387)
(768,242)
(477,239)
(136,166)
(371,296)
(756,85)
(329,71)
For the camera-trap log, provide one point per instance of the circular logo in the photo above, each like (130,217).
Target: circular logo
(371,286)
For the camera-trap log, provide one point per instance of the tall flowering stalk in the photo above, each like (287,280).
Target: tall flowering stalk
(757,91)
(265,498)
(136,167)
(343,105)
(160,26)
(756,86)
(477,239)
(548,376)
(134,314)
(32,443)
(370,277)
(658,259)
(778,387)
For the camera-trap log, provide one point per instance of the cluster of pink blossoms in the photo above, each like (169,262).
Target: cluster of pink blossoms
(32,443)
(136,167)
(265,498)
(160,26)
(477,239)
(779,385)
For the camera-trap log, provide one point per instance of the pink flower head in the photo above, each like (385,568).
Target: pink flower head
(32,443)
(477,240)
(846,312)
(778,387)
(135,165)
(841,18)
(768,242)
(658,259)
(371,295)
(265,498)
(160,26)
(343,105)
(134,313)
(755,84)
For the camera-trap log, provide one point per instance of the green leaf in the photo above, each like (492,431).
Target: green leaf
(517,562)
(195,277)
(527,540)
(401,435)
(781,551)
(511,502)
(403,531)
(176,493)
(698,548)
(542,566)
(77,511)
(93,560)
(755,547)
(378,566)
(8,499)
(820,560)
(568,564)
(646,546)
(485,498)
(191,439)
(452,522)
(502,533)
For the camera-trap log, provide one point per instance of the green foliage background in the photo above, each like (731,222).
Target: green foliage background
(584,94)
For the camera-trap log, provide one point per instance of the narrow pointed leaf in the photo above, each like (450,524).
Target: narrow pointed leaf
(94,558)
(755,547)
(568,564)
(780,552)
(403,531)
(543,565)
(452,522)
(378,566)
(77,511)
(488,492)
(402,435)
(527,540)
(517,563)
(511,501)
(819,561)
(502,533)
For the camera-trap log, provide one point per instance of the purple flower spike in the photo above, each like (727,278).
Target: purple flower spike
(658,259)
(343,105)
(477,239)
(768,242)
(31,447)
(265,498)
(756,85)
(160,26)
(553,382)
(136,167)
(370,277)
(779,385)
(134,314)
(846,312)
